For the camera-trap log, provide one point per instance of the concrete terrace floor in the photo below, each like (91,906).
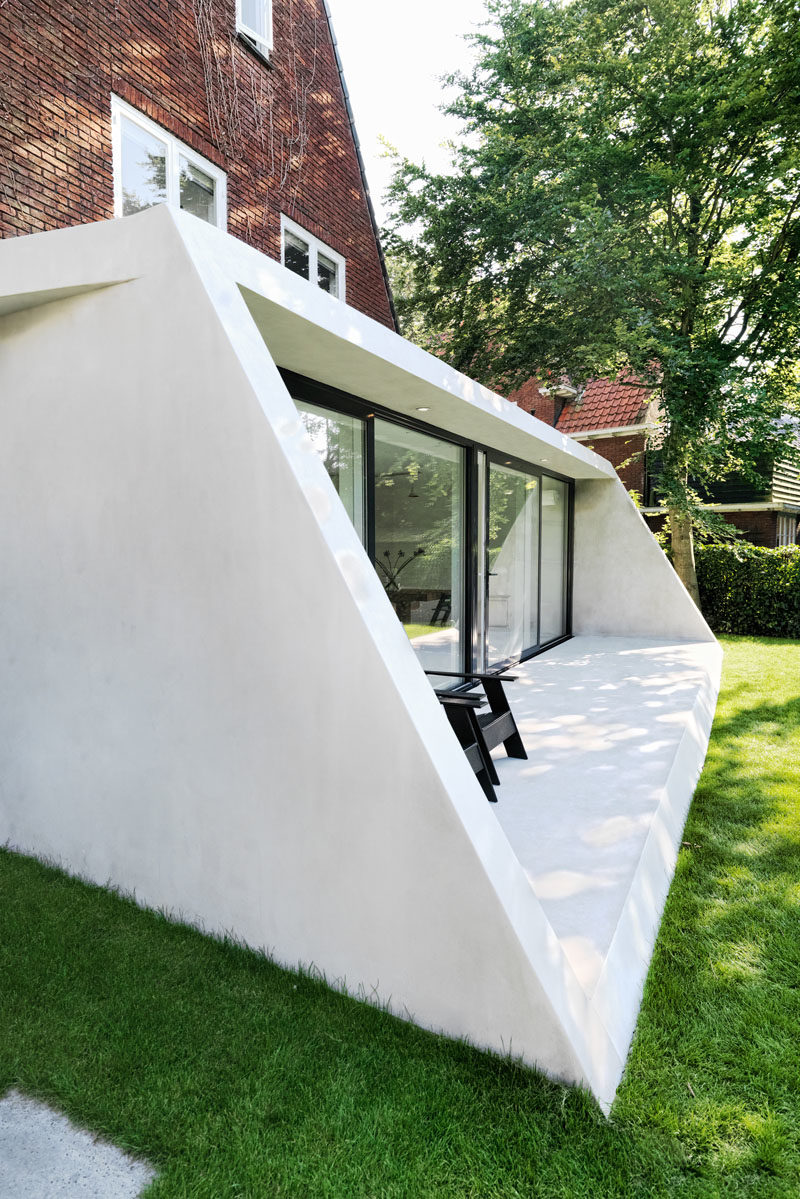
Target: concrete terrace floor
(595,815)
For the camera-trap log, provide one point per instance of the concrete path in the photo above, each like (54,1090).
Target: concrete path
(43,1156)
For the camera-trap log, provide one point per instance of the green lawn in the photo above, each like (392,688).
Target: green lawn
(235,1078)
(422,630)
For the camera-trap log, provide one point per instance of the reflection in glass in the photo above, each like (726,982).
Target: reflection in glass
(419,520)
(255,16)
(554,559)
(144,169)
(197,192)
(513,562)
(480,557)
(327,275)
(295,254)
(339,441)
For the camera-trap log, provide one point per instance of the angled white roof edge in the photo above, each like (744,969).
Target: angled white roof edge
(387,353)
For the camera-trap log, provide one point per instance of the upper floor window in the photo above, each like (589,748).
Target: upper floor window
(254,20)
(306,255)
(153,167)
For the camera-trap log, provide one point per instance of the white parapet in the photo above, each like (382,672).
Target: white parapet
(208,699)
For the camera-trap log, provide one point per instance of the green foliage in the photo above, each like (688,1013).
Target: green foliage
(749,590)
(627,195)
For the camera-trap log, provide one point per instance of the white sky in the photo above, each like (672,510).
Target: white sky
(393,52)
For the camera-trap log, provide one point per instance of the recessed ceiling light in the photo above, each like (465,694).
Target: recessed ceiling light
(423,410)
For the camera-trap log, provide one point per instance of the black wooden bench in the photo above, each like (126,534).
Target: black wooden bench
(497,726)
(462,712)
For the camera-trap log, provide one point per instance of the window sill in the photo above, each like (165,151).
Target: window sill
(255,49)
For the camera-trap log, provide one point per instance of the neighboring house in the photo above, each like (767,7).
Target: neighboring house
(239,518)
(234,110)
(767,515)
(617,419)
(613,418)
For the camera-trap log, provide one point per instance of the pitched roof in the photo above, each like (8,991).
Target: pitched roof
(605,404)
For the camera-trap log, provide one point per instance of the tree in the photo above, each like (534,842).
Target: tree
(626,199)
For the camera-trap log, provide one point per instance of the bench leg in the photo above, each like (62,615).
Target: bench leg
(464,724)
(499,706)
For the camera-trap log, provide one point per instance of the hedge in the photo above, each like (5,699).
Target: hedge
(749,590)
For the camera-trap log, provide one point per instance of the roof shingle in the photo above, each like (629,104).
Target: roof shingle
(606,404)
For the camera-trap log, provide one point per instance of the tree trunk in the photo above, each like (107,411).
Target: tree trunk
(683,552)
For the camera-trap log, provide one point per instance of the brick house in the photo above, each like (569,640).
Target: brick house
(616,419)
(233,109)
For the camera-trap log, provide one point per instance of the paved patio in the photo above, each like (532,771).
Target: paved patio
(595,815)
(44,1156)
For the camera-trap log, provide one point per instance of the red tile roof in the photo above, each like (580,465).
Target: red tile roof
(606,405)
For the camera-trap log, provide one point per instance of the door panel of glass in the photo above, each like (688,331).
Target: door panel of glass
(419,539)
(513,562)
(554,559)
(482,499)
(339,441)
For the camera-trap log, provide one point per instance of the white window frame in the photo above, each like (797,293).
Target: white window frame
(315,247)
(175,150)
(263,41)
(786,529)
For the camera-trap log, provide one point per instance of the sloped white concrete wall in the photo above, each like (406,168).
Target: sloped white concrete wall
(623,584)
(207,698)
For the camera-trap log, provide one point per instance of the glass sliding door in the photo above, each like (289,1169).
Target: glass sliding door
(419,539)
(474,561)
(339,441)
(480,559)
(513,553)
(554,559)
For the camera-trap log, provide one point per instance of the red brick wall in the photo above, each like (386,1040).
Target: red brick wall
(281,133)
(759,528)
(530,399)
(619,450)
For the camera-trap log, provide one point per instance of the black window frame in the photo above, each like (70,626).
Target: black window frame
(323,395)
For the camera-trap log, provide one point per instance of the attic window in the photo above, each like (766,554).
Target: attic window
(306,255)
(254,20)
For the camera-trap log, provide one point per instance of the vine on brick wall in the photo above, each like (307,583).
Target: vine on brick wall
(234,102)
(219,77)
(295,144)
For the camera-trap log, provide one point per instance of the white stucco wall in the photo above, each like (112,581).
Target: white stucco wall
(208,699)
(623,584)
